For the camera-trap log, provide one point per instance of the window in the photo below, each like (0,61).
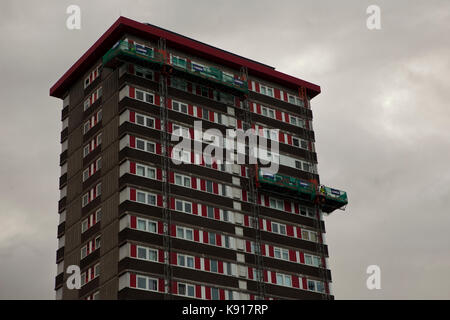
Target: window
(182,180)
(204,92)
(145,121)
(284,279)
(180,131)
(142,253)
(179,106)
(178,84)
(85,200)
(144,96)
(185,233)
(98,189)
(278,228)
(210,212)
(186,289)
(266,90)
(276,204)
(145,171)
(296,121)
(143,72)
(295,100)
(84,226)
(209,186)
(214,266)
(212,238)
(214,294)
(98,242)
(183,206)
(311,285)
(146,225)
(142,282)
(144,145)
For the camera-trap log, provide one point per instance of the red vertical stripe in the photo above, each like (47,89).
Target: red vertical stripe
(269,225)
(204,213)
(266,201)
(271,254)
(205,237)
(132,280)
(292,256)
(133,251)
(195,208)
(304,283)
(159,201)
(215,187)
(281,136)
(250,273)
(159,174)
(157,100)
(278,115)
(287,205)
(196,236)
(295,282)
(132,142)
(197,263)
(274,277)
(132,116)
(290,230)
(263,249)
(302,257)
(198,291)
(172,203)
(244,195)
(217,213)
(246,221)
(277,93)
(131,92)
(161,285)
(248,246)
(133,222)
(202,185)
(190,109)
(171,177)
(173,230)
(161,256)
(173,258)
(289,139)
(208,293)
(296,208)
(218,240)
(220,268)
(174,287)
(256,86)
(222,294)
(158,148)
(299,232)
(133,194)
(206,264)
(132,167)
(160,227)
(158,124)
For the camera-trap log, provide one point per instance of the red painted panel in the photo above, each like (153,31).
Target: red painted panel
(132,222)
(159,174)
(198,291)
(274,277)
(204,211)
(304,283)
(266,201)
(161,256)
(246,221)
(220,268)
(287,205)
(269,225)
(131,92)
(302,257)
(248,246)
(278,115)
(159,200)
(277,93)
(161,285)
(133,194)
(132,142)
(133,251)
(133,167)
(195,208)
(206,264)
(173,230)
(292,256)
(197,263)
(217,213)
(132,116)
(158,124)
(299,232)
(222,294)
(160,227)
(208,293)
(250,273)
(190,109)
(202,185)
(295,282)
(132,280)
(196,236)
(174,287)
(205,237)
(218,240)
(271,253)
(290,230)
(215,188)
(171,177)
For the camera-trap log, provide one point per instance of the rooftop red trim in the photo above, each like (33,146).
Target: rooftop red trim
(124,25)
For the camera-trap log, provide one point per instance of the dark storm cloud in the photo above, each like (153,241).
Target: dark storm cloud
(381,125)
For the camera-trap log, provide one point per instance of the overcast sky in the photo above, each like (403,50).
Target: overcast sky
(382,125)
